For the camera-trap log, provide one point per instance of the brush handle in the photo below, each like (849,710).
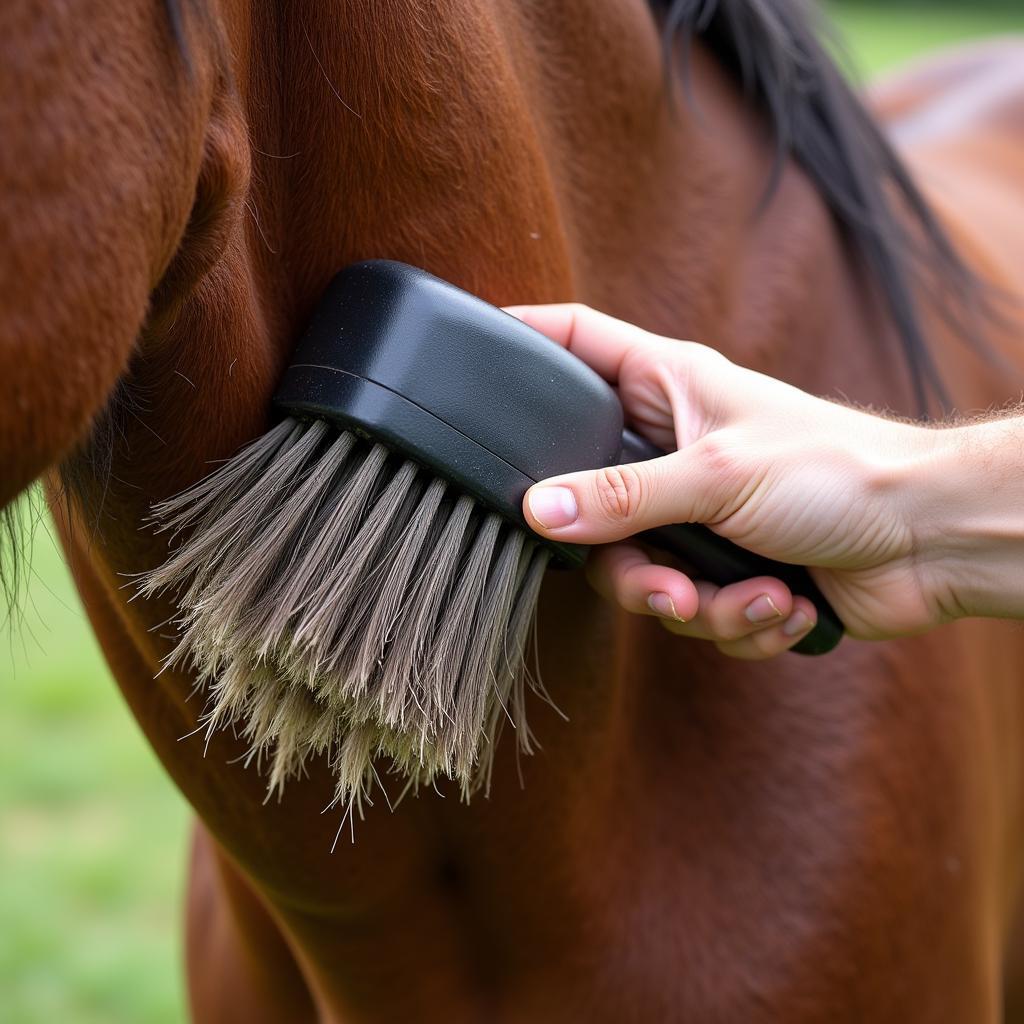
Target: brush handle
(721,562)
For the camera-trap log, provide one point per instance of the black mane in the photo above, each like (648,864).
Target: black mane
(774,50)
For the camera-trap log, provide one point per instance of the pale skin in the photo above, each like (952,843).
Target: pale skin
(904,526)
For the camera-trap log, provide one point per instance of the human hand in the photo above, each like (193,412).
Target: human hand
(777,471)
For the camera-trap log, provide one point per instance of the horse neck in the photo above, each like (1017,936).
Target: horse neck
(544,161)
(523,171)
(676,231)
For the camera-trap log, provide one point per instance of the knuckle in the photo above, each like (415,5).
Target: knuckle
(726,624)
(729,632)
(748,648)
(767,645)
(718,455)
(738,650)
(619,492)
(724,471)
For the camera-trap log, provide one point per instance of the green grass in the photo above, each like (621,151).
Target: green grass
(92,834)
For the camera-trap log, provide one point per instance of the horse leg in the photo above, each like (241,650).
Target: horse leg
(238,965)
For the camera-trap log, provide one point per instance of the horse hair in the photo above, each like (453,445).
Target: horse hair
(176,23)
(773,49)
(14,541)
(18,524)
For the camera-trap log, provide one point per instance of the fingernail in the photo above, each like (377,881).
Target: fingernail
(553,507)
(796,624)
(663,605)
(762,609)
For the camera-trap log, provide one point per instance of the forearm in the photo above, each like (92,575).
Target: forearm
(969,518)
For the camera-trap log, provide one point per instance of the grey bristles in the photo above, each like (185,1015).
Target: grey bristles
(335,599)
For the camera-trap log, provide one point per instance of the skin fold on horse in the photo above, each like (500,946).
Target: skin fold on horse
(701,839)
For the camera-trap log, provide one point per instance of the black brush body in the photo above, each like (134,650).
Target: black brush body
(490,405)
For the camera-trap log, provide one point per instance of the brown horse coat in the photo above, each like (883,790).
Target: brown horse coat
(703,840)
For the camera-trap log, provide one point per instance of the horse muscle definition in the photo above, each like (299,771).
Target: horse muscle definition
(702,840)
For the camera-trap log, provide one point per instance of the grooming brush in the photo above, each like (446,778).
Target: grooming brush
(360,581)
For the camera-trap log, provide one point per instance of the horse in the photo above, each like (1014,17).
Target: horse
(698,838)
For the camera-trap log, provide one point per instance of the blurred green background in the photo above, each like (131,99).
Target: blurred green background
(882,33)
(92,834)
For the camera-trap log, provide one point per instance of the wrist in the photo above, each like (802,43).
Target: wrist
(965,493)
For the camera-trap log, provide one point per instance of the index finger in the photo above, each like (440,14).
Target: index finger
(601,341)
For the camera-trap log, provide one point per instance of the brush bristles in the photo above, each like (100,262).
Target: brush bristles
(336,599)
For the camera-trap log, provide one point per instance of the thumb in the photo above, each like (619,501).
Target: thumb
(605,505)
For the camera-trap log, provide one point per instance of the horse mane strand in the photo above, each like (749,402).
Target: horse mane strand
(773,48)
